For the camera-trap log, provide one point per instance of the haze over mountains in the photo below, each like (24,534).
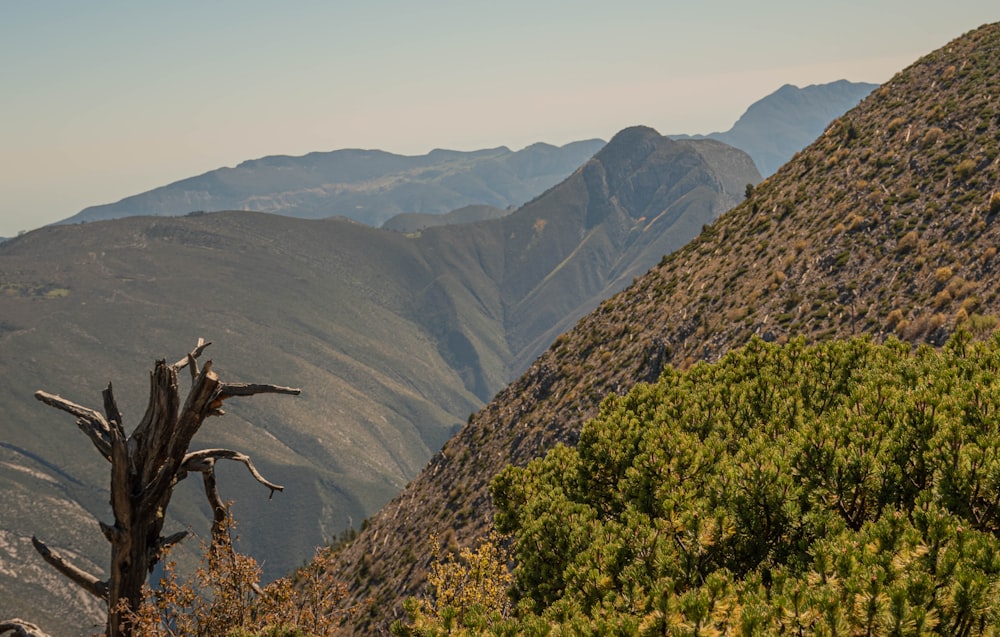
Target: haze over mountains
(396,338)
(886,225)
(372,186)
(369,186)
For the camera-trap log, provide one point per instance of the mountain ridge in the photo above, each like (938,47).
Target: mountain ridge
(369,186)
(372,186)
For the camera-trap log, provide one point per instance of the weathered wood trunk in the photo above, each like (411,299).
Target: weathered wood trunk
(145,467)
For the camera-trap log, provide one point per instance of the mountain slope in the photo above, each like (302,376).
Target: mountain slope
(887,224)
(777,126)
(369,186)
(635,201)
(394,338)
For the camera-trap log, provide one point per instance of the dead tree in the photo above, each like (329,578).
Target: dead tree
(145,467)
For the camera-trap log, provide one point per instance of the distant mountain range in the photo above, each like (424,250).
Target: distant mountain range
(887,225)
(395,338)
(373,186)
(368,186)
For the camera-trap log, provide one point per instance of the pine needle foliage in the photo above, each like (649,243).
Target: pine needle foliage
(468,592)
(847,488)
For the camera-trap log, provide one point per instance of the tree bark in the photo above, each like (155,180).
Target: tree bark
(145,467)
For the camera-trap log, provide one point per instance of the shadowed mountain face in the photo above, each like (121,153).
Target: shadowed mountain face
(395,339)
(887,224)
(369,186)
(776,127)
(637,200)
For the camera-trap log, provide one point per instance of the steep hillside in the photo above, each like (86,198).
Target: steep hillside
(888,223)
(395,339)
(369,186)
(781,124)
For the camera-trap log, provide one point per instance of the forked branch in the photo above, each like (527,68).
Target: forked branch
(192,355)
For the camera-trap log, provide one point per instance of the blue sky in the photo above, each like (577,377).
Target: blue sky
(101,100)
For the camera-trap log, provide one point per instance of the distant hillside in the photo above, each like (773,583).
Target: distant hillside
(887,224)
(395,339)
(369,186)
(776,127)
(415,222)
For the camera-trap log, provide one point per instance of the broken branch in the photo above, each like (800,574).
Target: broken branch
(204,460)
(195,353)
(114,415)
(112,533)
(156,551)
(78,576)
(229,390)
(249,389)
(89,421)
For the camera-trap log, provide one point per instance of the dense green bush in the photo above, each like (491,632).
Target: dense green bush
(848,488)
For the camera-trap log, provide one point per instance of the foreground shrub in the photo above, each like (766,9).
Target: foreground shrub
(468,593)
(847,488)
(224,598)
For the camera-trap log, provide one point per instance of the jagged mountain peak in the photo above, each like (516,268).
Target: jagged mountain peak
(776,126)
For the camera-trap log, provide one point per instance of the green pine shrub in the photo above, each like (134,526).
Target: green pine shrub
(845,488)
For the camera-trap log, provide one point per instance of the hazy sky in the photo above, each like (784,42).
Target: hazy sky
(104,99)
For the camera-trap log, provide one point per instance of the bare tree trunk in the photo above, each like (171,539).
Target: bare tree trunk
(145,467)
